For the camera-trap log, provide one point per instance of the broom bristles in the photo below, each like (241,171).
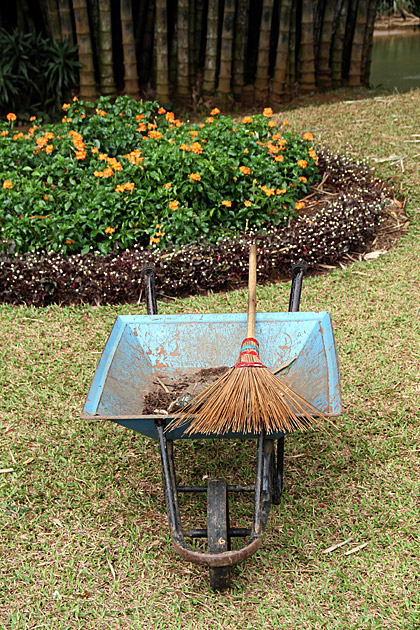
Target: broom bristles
(248,398)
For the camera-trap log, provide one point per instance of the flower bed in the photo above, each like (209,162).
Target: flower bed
(196,244)
(115,175)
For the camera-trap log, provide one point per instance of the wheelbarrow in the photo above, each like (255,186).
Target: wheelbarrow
(143,348)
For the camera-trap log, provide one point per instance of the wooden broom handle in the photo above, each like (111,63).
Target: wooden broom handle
(252,291)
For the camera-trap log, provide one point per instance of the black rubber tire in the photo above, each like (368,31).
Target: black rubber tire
(217,530)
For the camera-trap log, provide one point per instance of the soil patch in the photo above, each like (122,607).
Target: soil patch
(167,397)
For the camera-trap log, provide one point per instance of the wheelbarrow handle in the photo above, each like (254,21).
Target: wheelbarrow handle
(148,272)
(298,271)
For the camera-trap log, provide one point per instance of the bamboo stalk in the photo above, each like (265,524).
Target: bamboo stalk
(131,83)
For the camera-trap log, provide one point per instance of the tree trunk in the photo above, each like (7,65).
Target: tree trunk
(261,78)
(239,50)
(161,31)
(24,19)
(337,46)
(368,42)
(291,66)
(355,69)
(64,10)
(131,83)
(282,53)
(146,42)
(106,67)
(182,72)
(324,81)
(209,81)
(306,52)
(86,72)
(52,19)
(226,48)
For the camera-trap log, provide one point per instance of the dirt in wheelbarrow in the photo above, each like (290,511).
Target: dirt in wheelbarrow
(169,395)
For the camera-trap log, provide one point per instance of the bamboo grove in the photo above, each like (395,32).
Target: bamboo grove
(194,51)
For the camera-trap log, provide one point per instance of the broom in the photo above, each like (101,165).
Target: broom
(248,397)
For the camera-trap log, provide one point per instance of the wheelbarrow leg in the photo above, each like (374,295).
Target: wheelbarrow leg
(278,472)
(218,530)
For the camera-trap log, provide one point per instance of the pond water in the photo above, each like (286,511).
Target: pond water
(396,61)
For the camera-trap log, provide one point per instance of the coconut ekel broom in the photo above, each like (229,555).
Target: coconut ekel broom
(248,397)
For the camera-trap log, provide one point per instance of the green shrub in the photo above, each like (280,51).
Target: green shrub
(114,175)
(35,72)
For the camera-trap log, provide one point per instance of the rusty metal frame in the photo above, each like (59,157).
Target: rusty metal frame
(263,492)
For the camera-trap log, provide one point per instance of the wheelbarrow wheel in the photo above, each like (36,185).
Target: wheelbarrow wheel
(218,530)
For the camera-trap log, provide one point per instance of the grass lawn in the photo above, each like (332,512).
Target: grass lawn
(84,540)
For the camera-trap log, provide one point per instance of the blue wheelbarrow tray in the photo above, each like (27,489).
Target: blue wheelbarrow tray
(143,348)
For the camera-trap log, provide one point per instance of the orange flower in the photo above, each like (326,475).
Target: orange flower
(95,150)
(195,177)
(194,133)
(268,191)
(4,133)
(196,148)
(308,136)
(302,163)
(74,99)
(65,106)
(246,150)
(168,185)
(7,184)
(303,179)
(128,186)
(11,117)
(109,230)
(142,127)
(100,112)
(49,135)
(139,117)
(245,170)
(279,158)
(17,136)
(184,147)
(102,156)
(173,205)
(285,123)
(80,155)
(69,241)
(49,149)
(42,141)
(156,135)
(248,204)
(268,112)
(312,153)
(280,191)
(299,205)
(210,119)
(215,111)
(226,203)
(271,123)
(98,173)
(108,172)
(246,120)
(170,117)
(32,118)
(161,110)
